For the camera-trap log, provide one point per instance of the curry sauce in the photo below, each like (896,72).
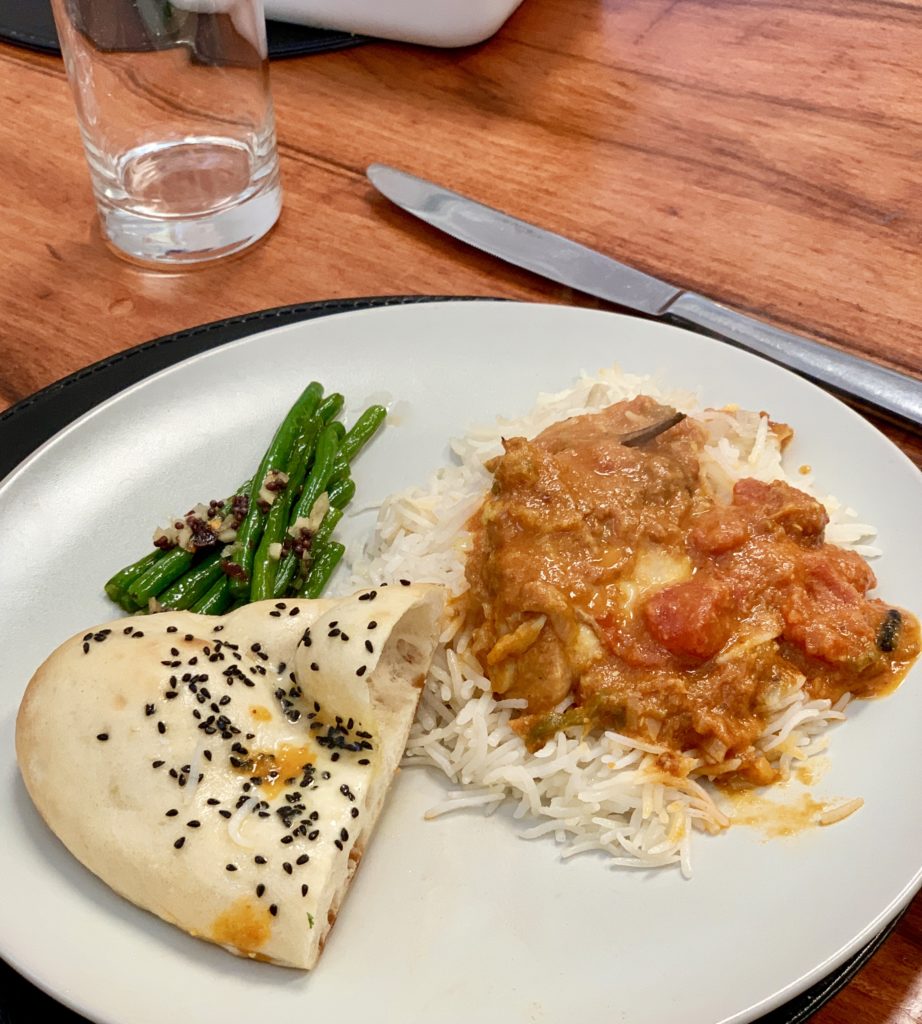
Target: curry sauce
(606,571)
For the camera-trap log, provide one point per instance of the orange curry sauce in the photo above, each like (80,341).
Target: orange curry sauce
(612,574)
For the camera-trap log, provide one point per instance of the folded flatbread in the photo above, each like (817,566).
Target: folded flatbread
(226,772)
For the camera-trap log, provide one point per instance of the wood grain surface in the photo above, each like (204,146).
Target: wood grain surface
(767,153)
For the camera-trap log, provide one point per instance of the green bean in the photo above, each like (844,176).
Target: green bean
(314,486)
(287,569)
(216,600)
(160,575)
(264,565)
(341,492)
(324,562)
(316,483)
(359,435)
(340,430)
(194,585)
(251,528)
(117,586)
(326,527)
(330,407)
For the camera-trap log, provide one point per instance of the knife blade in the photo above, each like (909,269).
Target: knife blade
(577,266)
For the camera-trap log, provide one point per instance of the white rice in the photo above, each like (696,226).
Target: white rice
(599,792)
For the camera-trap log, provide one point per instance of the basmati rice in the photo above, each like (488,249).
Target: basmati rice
(604,792)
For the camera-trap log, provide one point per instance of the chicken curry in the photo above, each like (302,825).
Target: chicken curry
(605,570)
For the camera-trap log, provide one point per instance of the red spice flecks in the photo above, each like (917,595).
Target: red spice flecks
(236,572)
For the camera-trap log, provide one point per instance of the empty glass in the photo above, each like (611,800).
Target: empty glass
(174,107)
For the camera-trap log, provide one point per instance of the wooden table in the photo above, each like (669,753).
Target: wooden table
(766,153)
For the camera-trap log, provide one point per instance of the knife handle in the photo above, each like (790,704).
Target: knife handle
(876,386)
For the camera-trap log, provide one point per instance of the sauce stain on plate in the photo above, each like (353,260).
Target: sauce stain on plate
(791,817)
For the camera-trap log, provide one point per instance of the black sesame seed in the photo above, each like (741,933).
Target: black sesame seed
(287,868)
(273,910)
(137,634)
(287,839)
(188,637)
(303,859)
(212,801)
(180,842)
(161,728)
(156,764)
(369,646)
(354,812)
(313,835)
(230,867)
(337,844)
(170,694)
(127,630)
(103,736)
(171,629)
(344,835)
(334,756)
(224,813)
(364,760)
(260,889)
(259,859)
(86,648)
(361,670)
(194,823)
(206,754)
(174,651)
(276,615)
(372,624)
(333,632)
(172,812)
(404,583)
(304,889)
(344,637)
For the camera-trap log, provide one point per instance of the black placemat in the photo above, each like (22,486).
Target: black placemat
(29,423)
(29,23)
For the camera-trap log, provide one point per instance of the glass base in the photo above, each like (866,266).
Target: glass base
(188,203)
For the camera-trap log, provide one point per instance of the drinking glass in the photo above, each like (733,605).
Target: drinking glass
(176,116)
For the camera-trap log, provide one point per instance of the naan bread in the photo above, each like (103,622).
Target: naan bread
(226,772)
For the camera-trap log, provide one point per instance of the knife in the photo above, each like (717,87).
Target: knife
(569,263)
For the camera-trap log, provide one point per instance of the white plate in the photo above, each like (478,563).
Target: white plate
(453,919)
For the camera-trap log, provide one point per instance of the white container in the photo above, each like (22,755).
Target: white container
(430,22)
